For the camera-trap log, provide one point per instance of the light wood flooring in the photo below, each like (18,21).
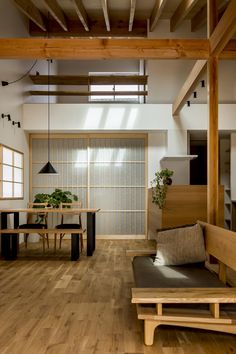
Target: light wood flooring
(49,304)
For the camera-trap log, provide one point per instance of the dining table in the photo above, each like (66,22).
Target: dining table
(10,236)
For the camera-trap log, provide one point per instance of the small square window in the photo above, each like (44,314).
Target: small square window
(11,170)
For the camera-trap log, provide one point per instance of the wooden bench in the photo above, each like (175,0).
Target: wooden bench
(221,244)
(43,232)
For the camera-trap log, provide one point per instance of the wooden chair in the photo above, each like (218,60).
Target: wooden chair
(42,224)
(66,225)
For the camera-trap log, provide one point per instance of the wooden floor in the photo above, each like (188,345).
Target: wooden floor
(49,304)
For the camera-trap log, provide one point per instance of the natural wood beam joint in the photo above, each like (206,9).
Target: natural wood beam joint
(156,13)
(82,14)
(56,12)
(181,12)
(189,86)
(31,11)
(224,31)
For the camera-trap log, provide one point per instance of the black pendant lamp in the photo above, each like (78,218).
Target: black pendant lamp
(48,169)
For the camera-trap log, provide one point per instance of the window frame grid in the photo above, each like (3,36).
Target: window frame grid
(13,166)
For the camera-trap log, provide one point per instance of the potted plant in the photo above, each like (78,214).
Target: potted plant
(160,185)
(54,199)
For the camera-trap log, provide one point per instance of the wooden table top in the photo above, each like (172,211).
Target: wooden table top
(48,210)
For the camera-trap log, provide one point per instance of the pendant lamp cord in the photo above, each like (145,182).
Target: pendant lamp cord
(49,60)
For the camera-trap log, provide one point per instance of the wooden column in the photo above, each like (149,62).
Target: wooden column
(213,148)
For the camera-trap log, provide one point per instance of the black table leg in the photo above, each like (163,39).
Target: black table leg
(9,242)
(75,247)
(91,231)
(5,239)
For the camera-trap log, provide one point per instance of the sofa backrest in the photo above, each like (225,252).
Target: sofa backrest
(220,243)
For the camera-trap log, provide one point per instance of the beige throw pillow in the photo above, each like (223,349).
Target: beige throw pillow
(180,246)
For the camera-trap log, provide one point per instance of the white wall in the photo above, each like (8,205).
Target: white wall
(123,117)
(155,119)
(12,96)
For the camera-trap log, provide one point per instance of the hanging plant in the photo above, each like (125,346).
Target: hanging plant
(160,185)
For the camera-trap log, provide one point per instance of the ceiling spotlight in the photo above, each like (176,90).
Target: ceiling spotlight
(195,94)
(188,103)
(202,83)
(16,123)
(6,115)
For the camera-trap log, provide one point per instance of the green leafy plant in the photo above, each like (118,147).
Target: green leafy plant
(160,185)
(55,198)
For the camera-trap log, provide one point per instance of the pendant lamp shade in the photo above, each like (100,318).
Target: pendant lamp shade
(48,168)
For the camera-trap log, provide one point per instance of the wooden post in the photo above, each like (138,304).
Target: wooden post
(213,148)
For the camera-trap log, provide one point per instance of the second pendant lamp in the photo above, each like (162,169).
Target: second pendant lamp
(48,168)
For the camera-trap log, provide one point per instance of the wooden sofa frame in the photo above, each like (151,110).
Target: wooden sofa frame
(221,244)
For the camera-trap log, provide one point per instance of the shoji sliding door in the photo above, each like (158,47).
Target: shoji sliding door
(117,185)
(106,172)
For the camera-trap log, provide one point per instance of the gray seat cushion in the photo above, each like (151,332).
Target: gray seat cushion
(195,275)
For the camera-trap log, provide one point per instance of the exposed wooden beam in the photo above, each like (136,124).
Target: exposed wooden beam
(88,93)
(189,86)
(90,79)
(156,13)
(31,11)
(44,48)
(106,14)
(96,29)
(229,51)
(82,14)
(131,15)
(225,29)
(181,12)
(56,12)
(199,19)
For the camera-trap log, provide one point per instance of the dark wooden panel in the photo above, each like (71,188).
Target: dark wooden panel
(90,80)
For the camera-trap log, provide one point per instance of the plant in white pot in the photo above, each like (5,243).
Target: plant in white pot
(160,185)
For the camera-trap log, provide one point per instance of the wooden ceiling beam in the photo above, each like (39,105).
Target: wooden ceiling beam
(106,14)
(131,15)
(32,12)
(44,48)
(88,93)
(181,12)
(81,13)
(90,79)
(96,29)
(156,13)
(189,86)
(224,30)
(200,19)
(56,12)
